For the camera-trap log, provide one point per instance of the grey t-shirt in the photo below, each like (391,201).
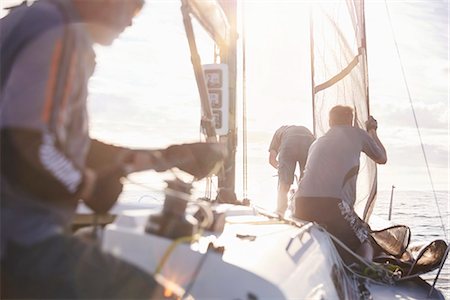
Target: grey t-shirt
(288,136)
(333,163)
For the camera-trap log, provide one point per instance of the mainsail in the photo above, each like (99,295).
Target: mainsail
(339,76)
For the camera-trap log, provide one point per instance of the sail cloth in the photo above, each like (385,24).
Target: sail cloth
(210,15)
(339,76)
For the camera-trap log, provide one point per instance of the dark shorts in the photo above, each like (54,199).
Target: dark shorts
(336,216)
(63,267)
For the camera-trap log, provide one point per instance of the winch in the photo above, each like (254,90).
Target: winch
(173,222)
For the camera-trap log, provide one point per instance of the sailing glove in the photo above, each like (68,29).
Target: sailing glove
(198,159)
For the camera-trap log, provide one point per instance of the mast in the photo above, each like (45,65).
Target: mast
(207,117)
(218,18)
(229,56)
(364,46)
(374,190)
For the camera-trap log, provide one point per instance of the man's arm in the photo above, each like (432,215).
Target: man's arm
(275,146)
(378,153)
(382,159)
(32,161)
(273,158)
(33,158)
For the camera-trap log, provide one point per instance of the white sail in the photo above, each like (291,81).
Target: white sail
(339,76)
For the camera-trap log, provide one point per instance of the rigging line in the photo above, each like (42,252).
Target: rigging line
(415,119)
(143,185)
(244,108)
(208,180)
(171,248)
(365,65)
(207,188)
(386,276)
(196,272)
(364,53)
(312,66)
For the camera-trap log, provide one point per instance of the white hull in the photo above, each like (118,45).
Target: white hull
(269,260)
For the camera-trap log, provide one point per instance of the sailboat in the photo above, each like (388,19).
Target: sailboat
(235,251)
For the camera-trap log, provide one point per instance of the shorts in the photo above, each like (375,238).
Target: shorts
(288,158)
(336,216)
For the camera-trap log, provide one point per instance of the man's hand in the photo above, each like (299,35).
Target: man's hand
(372,126)
(371,123)
(137,160)
(198,159)
(103,186)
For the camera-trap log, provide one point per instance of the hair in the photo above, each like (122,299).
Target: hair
(341,115)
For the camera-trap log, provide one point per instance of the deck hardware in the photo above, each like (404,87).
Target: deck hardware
(439,271)
(299,235)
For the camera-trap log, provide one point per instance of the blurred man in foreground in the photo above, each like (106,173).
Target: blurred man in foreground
(49,162)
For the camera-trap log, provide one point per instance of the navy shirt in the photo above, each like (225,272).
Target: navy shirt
(43,122)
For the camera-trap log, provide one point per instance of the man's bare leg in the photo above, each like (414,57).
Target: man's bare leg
(283,189)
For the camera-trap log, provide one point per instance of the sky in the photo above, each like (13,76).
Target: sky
(143,93)
(421,29)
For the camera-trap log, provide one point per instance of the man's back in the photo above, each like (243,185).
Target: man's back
(333,163)
(288,136)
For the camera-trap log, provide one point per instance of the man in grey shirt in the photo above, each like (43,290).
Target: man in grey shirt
(290,144)
(327,191)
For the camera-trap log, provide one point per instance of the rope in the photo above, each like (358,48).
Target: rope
(208,185)
(384,275)
(172,247)
(244,108)
(196,272)
(208,180)
(166,191)
(415,119)
(259,222)
(348,283)
(143,185)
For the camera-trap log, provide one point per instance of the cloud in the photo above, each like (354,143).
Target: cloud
(437,156)
(429,116)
